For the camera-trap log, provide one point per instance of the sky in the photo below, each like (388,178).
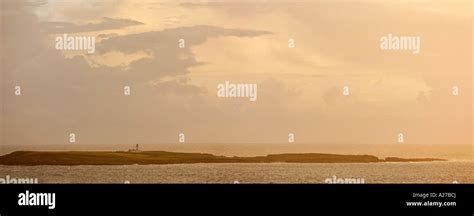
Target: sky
(173,89)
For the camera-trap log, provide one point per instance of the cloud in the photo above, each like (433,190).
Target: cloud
(66,95)
(168,38)
(165,57)
(106,23)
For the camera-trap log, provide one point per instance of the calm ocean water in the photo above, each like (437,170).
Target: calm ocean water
(424,172)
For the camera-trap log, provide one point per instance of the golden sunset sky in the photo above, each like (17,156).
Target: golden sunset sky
(337,44)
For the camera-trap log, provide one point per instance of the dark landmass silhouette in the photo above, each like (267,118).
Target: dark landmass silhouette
(31,158)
